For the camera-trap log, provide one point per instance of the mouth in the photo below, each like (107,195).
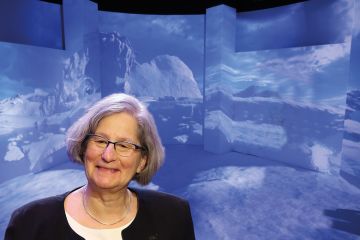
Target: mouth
(107,169)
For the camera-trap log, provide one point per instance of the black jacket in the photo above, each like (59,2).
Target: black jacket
(160,216)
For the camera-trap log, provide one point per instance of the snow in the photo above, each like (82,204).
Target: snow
(76,84)
(238,177)
(197,128)
(177,117)
(17,138)
(150,186)
(320,156)
(182,138)
(261,134)
(296,104)
(287,129)
(163,76)
(72,93)
(35,123)
(288,204)
(37,151)
(20,105)
(14,153)
(229,200)
(9,123)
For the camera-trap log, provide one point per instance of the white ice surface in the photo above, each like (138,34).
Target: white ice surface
(250,132)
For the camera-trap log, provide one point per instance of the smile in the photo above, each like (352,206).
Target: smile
(106,169)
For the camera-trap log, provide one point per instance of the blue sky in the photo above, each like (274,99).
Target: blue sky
(303,24)
(26,67)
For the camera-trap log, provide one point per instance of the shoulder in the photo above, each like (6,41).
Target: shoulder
(26,221)
(49,208)
(46,206)
(159,198)
(162,205)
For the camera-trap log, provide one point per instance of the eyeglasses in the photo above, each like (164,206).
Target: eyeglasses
(122,148)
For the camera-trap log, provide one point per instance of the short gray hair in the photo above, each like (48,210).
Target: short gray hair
(147,131)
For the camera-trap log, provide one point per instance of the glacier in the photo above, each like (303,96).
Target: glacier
(165,75)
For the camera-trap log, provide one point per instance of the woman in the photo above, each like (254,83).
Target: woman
(116,141)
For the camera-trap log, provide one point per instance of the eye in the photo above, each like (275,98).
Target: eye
(124,145)
(99,140)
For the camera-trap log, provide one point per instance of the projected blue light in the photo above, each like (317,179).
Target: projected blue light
(216,83)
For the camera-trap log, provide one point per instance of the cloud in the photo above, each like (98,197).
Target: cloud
(229,70)
(231,73)
(339,101)
(320,57)
(186,27)
(304,61)
(172,25)
(266,19)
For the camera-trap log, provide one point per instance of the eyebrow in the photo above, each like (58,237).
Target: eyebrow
(121,139)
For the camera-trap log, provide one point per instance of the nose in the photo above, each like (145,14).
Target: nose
(109,154)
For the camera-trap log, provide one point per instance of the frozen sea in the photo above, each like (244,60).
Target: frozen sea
(232,196)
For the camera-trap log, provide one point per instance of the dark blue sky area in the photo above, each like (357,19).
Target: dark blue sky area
(31,22)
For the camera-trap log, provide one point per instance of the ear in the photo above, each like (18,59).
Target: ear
(142,164)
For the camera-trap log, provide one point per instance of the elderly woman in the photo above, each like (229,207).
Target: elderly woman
(116,141)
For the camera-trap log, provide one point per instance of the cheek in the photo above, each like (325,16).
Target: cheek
(90,155)
(130,163)
(90,159)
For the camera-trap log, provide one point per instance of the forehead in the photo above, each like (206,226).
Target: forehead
(118,125)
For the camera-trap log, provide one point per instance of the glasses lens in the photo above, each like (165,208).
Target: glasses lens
(124,149)
(99,141)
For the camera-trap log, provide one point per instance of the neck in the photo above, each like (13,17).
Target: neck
(106,197)
(106,208)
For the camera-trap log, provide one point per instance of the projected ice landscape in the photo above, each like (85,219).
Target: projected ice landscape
(33,124)
(262,137)
(165,83)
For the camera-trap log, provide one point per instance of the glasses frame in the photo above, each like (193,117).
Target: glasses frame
(108,142)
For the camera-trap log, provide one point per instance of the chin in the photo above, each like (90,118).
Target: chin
(108,184)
